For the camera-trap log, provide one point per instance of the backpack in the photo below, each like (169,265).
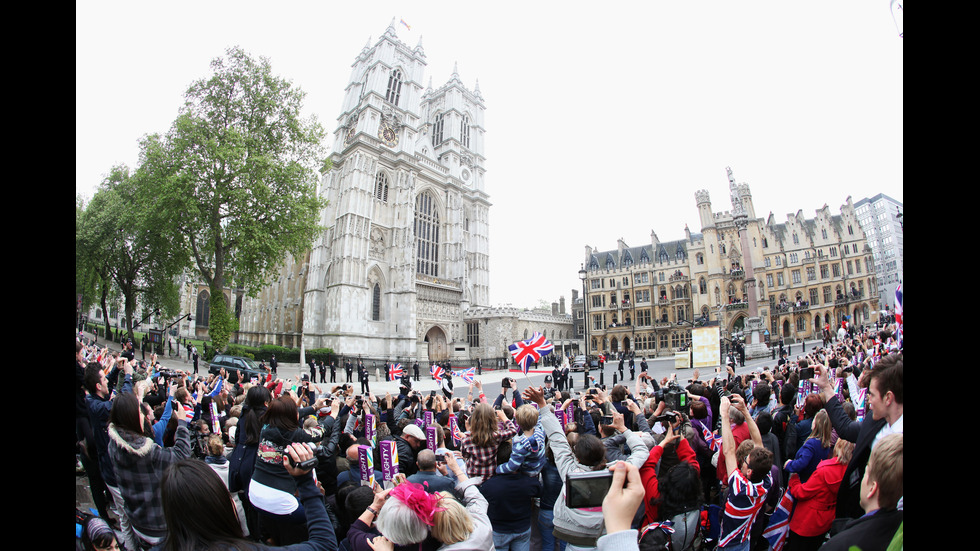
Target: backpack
(660,536)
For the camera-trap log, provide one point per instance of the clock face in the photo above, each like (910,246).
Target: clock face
(388,135)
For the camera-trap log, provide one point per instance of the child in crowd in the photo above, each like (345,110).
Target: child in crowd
(528,451)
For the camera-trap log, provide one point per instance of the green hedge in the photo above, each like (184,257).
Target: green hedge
(283,355)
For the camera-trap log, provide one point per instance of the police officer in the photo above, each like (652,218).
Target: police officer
(348,368)
(415,369)
(333,371)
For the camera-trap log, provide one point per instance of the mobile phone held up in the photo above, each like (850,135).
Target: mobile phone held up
(587,489)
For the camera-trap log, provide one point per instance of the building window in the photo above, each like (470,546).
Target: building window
(437,129)
(827,296)
(850,270)
(643,318)
(796,239)
(426,235)
(203,309)
(836,268)
(824,271)
(381,187)
(703,286)
(823,232)
(800,324)
(779,279)
(796,276)
(779,261)
(814,297)
(700,258)
(464,131)
(768,262)
(833,252)
(598,322)
(394,87)
(473,334)
(769,280)
(811,274)
(376,303)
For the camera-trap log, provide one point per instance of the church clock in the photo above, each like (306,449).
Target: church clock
(387,134)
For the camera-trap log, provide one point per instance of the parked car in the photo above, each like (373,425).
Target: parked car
(578,364)
(236,367)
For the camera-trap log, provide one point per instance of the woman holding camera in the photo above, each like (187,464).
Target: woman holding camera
(271,492)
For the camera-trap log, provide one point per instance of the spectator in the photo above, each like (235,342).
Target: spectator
(749,479)
(885,398)
(881,492)
(815,500)
(139,463)
(815,449)
(486,428)
(430,474)
(528,449)
(510,498)
(197,507)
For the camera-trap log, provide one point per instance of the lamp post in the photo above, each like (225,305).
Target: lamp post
(585,317)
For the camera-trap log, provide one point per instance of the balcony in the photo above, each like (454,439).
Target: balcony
(737,274)
(853,296)
(737,306)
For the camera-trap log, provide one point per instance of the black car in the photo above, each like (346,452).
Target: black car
(236,367)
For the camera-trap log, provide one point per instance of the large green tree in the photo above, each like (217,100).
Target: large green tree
(237,173)
(124,239)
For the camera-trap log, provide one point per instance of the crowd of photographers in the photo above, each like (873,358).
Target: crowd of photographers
(803,455)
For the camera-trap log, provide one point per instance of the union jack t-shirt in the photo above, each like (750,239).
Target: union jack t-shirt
(745,500)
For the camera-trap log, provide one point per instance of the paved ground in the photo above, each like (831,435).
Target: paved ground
(658,368)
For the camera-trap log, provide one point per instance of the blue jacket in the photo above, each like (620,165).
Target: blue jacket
(807,458)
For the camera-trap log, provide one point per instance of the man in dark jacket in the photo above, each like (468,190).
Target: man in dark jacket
(411,440)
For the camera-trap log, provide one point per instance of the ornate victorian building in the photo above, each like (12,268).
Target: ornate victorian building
(405,249)
(800,275)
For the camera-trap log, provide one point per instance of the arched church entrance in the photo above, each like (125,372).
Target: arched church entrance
(438,348)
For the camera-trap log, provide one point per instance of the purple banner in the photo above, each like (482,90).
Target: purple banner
(427,417)
(389,460)
(365,461)
(430,438)
(370,429)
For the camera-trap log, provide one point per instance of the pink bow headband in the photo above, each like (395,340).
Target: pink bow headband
(421,502)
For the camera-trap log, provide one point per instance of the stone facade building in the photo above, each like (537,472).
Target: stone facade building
(806,273)
(405,251)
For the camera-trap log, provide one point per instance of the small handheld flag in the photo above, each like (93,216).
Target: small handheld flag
(531,350)
(395,372)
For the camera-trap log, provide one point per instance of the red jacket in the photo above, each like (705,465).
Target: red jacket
(816,499)
(648,474)
(740,433)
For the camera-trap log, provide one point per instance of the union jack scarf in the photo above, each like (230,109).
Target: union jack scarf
(531,350)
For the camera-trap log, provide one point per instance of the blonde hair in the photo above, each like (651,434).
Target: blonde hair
(821,428)
(843,451)
(453,523)
(886,467)
(526,417)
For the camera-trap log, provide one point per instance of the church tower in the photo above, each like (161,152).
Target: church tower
(405,247)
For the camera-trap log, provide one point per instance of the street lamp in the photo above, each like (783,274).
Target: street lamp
(585,315)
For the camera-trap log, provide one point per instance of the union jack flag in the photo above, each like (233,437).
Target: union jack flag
(395,372)
(436,372)
(455,431)
(778,528)
(713,441)
(468,375)
(531,350)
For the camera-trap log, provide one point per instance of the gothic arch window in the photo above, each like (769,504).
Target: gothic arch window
(796,239)
(464,131)
(700,258)
(610,263)
(426,235)
(663,255)
(203,309)
(644,257)
(594,264)
(438,127)
(394,87)
(376,303)
(381,187)
(703,286)
(680,254)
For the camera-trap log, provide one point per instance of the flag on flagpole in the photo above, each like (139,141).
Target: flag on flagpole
(395,372)
(531,350)
(406,24)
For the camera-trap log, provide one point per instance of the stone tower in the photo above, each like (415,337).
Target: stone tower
(405,248)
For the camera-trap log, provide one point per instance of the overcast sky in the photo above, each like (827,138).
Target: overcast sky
(601,122)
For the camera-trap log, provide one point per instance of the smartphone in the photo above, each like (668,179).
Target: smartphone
(441,458)
(806,373)
(432,394)
(587,489)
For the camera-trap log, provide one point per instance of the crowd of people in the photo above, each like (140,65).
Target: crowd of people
(804,455)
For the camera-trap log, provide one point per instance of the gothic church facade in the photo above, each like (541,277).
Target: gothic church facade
(405,249)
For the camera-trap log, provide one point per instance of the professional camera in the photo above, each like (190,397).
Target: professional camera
(675,397)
